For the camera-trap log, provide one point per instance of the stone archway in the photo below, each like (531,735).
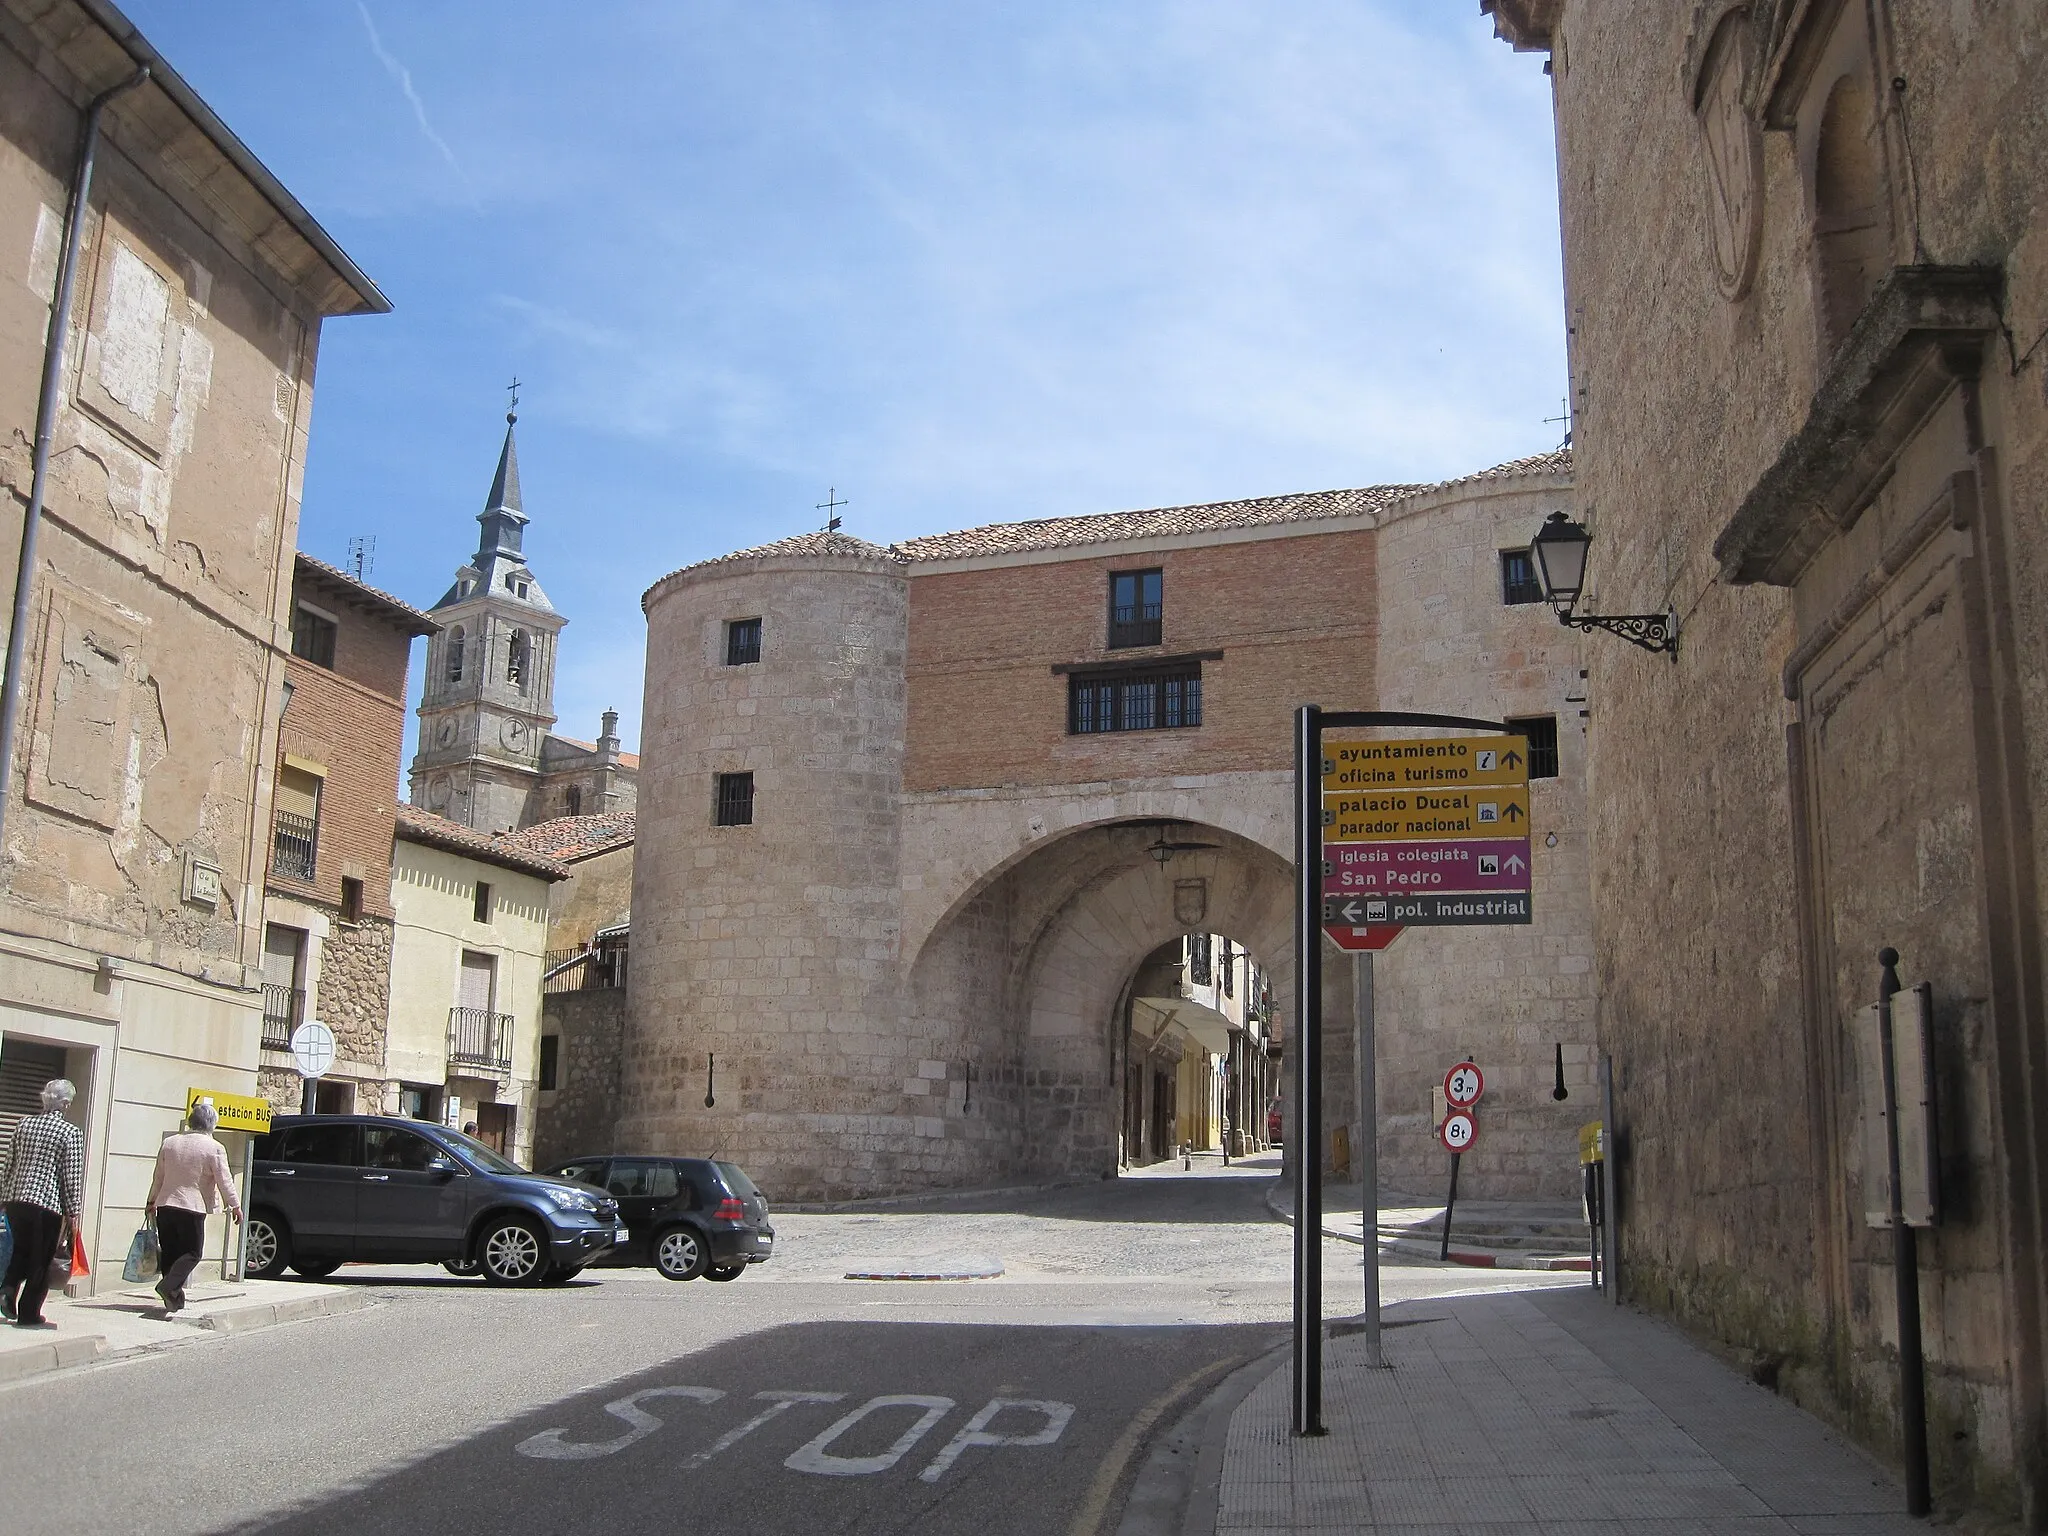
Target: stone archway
(1029,972)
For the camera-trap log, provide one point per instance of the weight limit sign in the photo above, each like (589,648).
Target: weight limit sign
(1458,1131)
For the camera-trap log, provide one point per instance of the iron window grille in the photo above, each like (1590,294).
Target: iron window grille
(313,637)
(1518,580)
(1163,699)
(1542,733)
(283,1010)
(293,842)
(1136,607)
(1198,960)
(479,1037)
(735,802)
(742,642)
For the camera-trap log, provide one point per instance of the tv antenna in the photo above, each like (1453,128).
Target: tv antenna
(362,555)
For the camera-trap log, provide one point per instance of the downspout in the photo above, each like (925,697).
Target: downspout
(46,428)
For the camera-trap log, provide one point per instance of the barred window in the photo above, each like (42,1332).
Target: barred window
(1518,580)
(735,803)
(1198,960)
(1167,699)
(1542,733)
(742,642)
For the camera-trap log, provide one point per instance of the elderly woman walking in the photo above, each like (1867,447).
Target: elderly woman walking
(192,1178)
(45,1188)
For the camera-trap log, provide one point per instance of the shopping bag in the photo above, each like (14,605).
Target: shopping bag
(6,1243)
(60,1269)
(142,1257)
(79,1268)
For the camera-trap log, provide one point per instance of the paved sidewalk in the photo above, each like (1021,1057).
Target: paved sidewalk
(129,1318)
(1548,1236)
(1543,1411)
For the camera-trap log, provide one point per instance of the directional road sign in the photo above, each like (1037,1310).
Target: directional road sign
(1444,910)
(237,1111)
(1416,815)
(1437,762)
(1381,869)
(1457,1133)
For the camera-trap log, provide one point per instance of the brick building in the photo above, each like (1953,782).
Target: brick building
(915,818)
(137,803)
(327,895)
(1806,265)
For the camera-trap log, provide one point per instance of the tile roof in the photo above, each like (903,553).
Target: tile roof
(383,603)
(626,759)
(418,826)
(575,837)
(1170,522)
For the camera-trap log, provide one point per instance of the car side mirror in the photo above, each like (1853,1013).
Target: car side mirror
(442,1166)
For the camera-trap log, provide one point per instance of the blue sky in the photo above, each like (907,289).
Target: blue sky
(967,262)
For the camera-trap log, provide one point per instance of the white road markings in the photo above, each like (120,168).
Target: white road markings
(815,1456)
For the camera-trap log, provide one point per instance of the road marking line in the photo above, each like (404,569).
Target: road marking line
(549,1445)
(778,1403)
(813,1457)
(1056,1416)
(1089,1521)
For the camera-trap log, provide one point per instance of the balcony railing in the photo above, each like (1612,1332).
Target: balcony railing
(585,970)
(293,840)
(1134,624)
(284,1009)
(480,1039)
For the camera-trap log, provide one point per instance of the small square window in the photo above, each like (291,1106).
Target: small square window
(351,899)
(735,805)
(482,910)
(742,642)
(1518,580)
(313,637)
(1542,733)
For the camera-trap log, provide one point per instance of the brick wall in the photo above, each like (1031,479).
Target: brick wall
(1294,618)
(354,734)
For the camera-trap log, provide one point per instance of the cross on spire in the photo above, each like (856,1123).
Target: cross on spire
(512,412)
(830,507)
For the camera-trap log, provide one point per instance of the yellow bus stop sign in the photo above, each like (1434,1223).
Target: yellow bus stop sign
(238,1111)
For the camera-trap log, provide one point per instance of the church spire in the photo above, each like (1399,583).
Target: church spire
(502,516)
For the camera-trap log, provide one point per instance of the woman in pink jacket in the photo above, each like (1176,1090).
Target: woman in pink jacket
(192,1178)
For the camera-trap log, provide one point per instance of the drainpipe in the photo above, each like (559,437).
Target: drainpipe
(46,427)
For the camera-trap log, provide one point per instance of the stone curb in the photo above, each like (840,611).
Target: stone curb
(1178,1488)
(1416,1248)
(84,1349)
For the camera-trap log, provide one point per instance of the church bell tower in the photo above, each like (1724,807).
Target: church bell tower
(490,674)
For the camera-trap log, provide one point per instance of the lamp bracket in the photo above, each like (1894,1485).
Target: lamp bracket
(1651,631)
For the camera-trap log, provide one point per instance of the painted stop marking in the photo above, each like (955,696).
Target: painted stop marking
(1458,1131)
(1463,1085)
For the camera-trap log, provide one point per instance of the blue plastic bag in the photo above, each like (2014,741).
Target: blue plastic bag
(6,1243)
(142,1256)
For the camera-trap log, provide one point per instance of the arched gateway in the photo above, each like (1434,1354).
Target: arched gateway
(901,848)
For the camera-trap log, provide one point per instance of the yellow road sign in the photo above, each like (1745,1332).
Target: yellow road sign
(1592,1145)
(238,1111)
(1446,762)
(1413,815)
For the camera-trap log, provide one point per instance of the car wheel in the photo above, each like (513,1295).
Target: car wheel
(512,1253)
(270,1247)
(462,1268)
(730,1272)
(315,1269)
(680,1254)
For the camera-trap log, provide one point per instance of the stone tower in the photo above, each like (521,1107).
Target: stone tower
(490,674)
(767,898)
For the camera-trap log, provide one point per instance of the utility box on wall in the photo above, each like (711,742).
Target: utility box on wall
(1913,1080)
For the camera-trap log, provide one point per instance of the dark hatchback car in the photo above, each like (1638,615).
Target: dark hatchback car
(335,1189)
(688,1216)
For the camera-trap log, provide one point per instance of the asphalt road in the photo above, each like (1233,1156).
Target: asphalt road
(791,1401)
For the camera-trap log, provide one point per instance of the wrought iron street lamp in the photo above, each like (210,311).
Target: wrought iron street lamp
(1559,550)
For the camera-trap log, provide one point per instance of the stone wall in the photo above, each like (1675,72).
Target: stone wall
(580,1114)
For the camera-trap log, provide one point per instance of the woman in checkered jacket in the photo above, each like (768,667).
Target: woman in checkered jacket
(45,1191)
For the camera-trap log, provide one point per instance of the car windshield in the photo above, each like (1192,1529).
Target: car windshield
(478,1153)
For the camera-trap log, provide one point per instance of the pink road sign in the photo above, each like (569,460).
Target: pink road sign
(1398,869)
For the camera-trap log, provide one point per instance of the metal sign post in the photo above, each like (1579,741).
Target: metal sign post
(1490,816)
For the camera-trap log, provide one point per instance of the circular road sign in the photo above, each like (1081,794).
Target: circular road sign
(1458,1131)
(313,1048)
(1463,1085)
